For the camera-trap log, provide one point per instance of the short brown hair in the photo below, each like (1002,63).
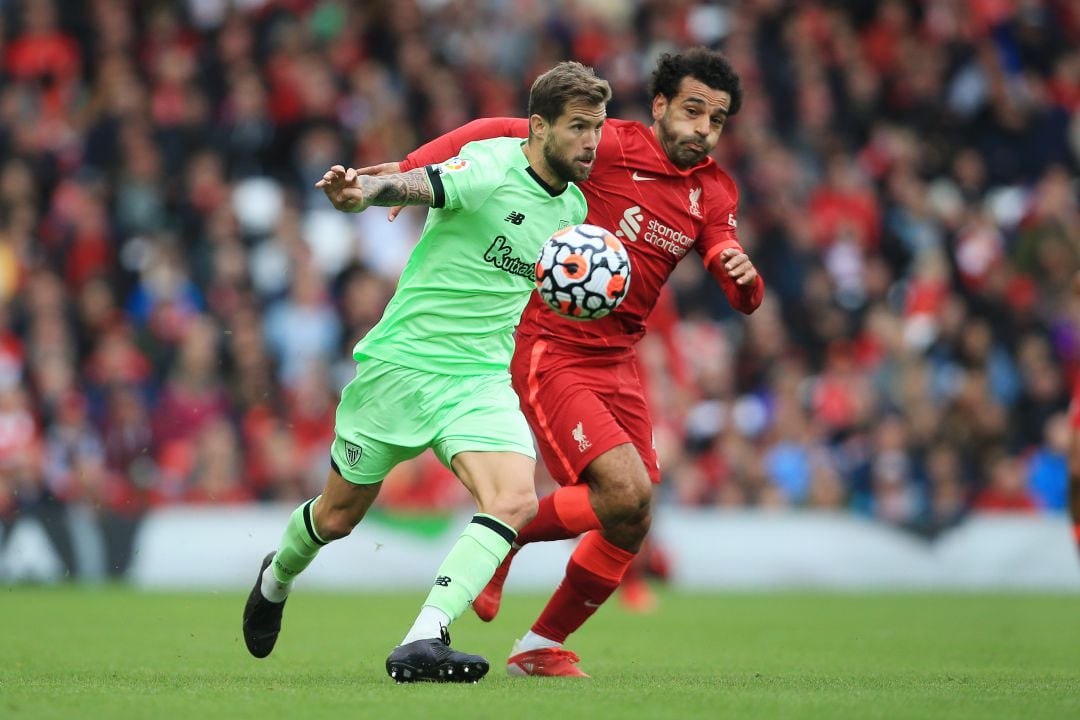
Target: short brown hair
(565,83)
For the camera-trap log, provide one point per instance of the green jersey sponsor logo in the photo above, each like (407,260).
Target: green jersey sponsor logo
(499,254)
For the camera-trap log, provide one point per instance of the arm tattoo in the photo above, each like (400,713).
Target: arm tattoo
(409,188)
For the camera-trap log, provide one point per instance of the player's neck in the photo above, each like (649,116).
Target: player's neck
(535,153)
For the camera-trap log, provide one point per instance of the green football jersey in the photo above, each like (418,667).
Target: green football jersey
(469,277)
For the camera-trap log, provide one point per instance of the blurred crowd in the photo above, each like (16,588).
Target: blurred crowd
(178,304)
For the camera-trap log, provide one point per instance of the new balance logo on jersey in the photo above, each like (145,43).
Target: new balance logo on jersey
(499,254)
(583,443)
(443,581)
(515,217)
(630,225)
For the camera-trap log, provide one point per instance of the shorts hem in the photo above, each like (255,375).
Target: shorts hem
(356,479)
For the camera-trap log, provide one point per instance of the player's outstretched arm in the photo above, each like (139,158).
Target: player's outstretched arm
(448,145)
(739,279)
(350,191)
(386,168)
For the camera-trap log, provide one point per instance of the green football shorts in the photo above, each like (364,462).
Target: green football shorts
(389,414)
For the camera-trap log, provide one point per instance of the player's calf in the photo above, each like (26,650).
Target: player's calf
(486,605)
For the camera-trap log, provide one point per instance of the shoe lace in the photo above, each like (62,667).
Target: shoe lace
(444,635)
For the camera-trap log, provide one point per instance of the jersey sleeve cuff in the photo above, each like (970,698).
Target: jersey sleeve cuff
(438,192)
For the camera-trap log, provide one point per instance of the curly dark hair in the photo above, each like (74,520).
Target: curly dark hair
(708,66)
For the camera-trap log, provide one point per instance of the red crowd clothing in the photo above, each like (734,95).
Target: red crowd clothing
(591,388)
(1074,406)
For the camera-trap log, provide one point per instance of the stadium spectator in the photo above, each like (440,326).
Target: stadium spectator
(935,145)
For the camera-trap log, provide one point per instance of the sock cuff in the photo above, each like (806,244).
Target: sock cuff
(496,525)
(596,555)
(574,509)
(309,521)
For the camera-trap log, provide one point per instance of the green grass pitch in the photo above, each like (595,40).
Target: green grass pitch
(115,653)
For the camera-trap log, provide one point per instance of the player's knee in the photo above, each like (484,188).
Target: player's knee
(514,507)
(627,500)
(335,523)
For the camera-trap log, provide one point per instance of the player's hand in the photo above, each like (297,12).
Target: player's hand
(389,168)
(343,189)
(738,267)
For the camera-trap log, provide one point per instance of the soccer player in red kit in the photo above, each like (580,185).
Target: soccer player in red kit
(658,190)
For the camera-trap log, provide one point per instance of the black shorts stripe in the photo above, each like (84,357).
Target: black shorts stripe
(495,526)
(309,525)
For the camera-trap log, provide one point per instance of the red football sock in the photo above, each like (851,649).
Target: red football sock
(594,571)
(635,571)
(565,513)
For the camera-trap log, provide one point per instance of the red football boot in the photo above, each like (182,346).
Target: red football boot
(545,662)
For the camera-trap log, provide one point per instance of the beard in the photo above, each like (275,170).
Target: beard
(566,168)
(678,151)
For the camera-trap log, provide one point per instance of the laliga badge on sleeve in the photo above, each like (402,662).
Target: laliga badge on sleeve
(455,164)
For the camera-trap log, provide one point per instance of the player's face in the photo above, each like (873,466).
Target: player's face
(688,125)
(570,144)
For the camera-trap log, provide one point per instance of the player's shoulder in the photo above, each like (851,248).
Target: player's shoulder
(628,134)
(498,147)
(716,179)
(624,126)
(484,162)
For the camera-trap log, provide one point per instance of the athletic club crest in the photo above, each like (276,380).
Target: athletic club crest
(695,200)
(352,453)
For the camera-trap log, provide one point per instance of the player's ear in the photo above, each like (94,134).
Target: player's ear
(537,127)
(659,106)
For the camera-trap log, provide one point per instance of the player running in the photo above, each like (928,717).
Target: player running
(433,373)
(658,190)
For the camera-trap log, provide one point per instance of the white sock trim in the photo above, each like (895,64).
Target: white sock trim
(273,590)
(532,641)
(429,624)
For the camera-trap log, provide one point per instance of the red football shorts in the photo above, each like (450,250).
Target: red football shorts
(580,407)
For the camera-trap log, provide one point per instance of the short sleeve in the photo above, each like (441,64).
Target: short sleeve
(469,177)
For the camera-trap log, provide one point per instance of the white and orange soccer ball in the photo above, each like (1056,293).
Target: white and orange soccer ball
(583,272)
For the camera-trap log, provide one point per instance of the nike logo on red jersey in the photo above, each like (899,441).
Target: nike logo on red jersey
(641,178)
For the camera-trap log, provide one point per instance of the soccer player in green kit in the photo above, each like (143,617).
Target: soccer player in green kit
(434,372)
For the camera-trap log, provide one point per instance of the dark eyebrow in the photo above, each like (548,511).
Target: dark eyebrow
(586,119)
(699,101)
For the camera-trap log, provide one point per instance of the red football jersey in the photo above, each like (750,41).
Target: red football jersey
(659,212)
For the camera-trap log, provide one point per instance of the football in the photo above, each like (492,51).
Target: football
(583,272)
